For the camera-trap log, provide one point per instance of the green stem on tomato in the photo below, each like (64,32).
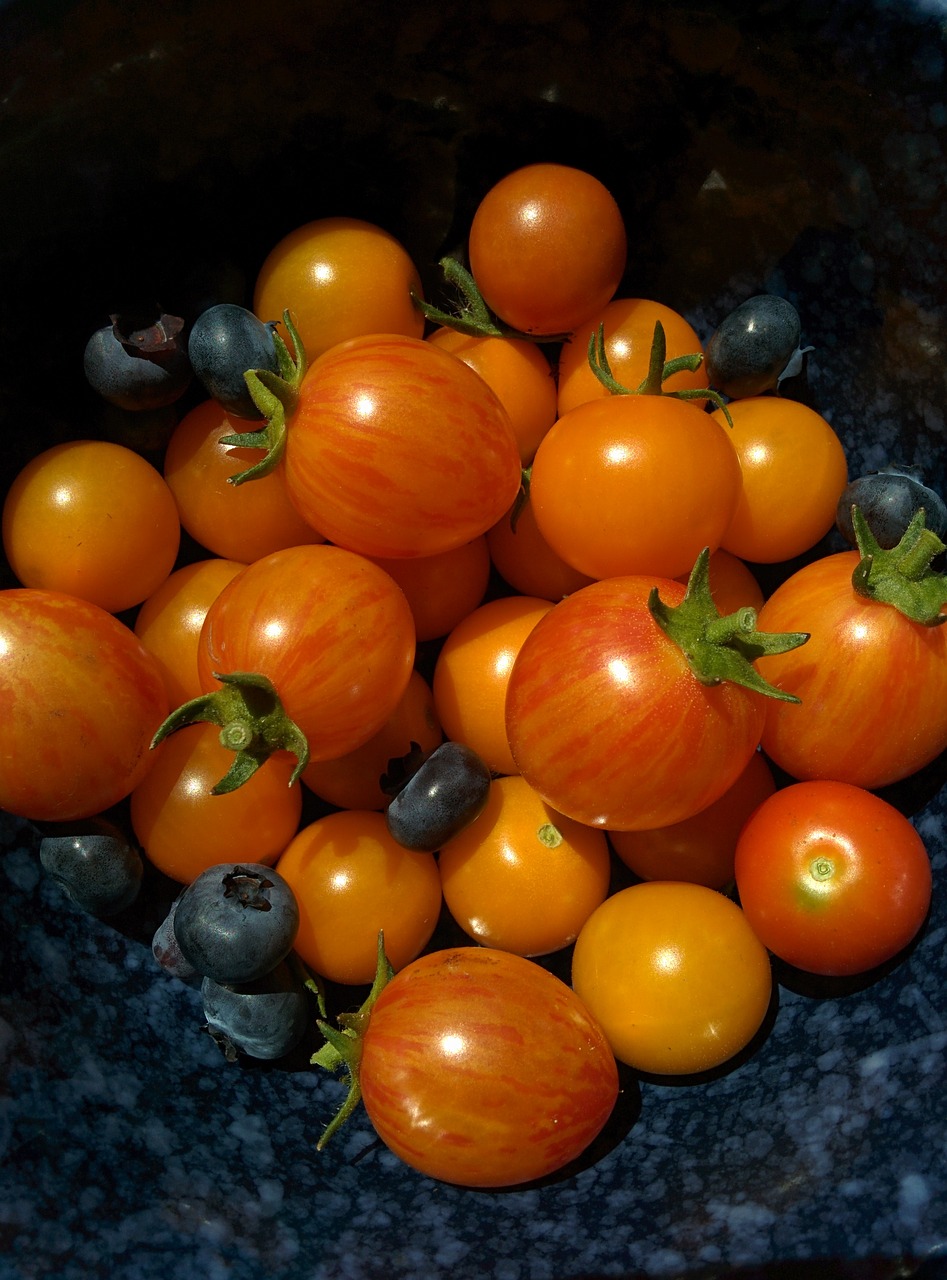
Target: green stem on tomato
(902,576)
(474,317)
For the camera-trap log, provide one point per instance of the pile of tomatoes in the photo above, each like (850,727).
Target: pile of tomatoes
(526,529)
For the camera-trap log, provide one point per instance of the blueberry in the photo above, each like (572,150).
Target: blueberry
(165,948)
(753,346)
(137,362)
(236,921)
(225,342)
(265,1018)
(95,865)
(445,795)
(888,500)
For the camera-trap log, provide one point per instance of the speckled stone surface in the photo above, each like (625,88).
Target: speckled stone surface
(798,148)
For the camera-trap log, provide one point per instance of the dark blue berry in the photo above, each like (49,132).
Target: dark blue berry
(446,794)
(225,342)
(95,865)
(889,500)
(137,362)
(236,921)
(266,1018)
(753,346)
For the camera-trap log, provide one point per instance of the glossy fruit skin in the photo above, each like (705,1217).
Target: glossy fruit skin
(753,345)
(480,1068)
(351,879)
(67,663)
(634,484)
(607,721)
(547,247)
(526,561)
(522,877)
(675,976)
(265,1018)
(833,879)
(888,500)
(442,797)
(330,630)
(793,469)
(236,921)
(397,448)
(93,519)
(95,866)
(340,278)
(225,341)
(873,684)
(444,588)
(184,829)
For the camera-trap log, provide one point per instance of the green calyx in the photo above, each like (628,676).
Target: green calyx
(252,724)
(721,648)
(276,396)
(474,316)
(902,576)
(660,369)
(343,1045)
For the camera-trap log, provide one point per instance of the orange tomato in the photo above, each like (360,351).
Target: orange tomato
(524,559)
(472,672)
(441,588)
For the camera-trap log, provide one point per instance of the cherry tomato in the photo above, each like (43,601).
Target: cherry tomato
(184,829)
(525,560)
(634,484)
(169,622)
(472,672)
(340,278)
(794,470)
(93,519)
(518,372)
(732,583)
(81,700)
(330,630)
(351,879)
(481,1068)
(872,683)
(398,449)
(237,522)
(547,248)
(353,781)
(608,722)
(628,325)
(699,849)
(522,877)
(833,879)
(675,976)
(442,588)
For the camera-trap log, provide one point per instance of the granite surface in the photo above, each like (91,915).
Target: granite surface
(797,148)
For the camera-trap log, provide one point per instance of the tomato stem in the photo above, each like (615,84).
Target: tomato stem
(660,369)
(474,317)
(902,576)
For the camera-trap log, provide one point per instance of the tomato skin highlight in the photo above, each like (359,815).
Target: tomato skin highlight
(872,683)
(609,724)
(80,699)
(832,878)
(481,1068)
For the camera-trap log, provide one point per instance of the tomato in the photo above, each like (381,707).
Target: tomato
(634,484)
(518,372)
(525,560)
(547,248)
(397,448)
(479,1067)
(353,781)
(873,683)
(675,976)
(833,879)
(93,519)
(793,473)
(80,699)
(701,848)
(340,278)
(169,622)
(237,522)
(472,673)
(607,720)
(442,588)
(184,829)
(351,879)
(330,630)
(522,877)
(732,583)
(628,325)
